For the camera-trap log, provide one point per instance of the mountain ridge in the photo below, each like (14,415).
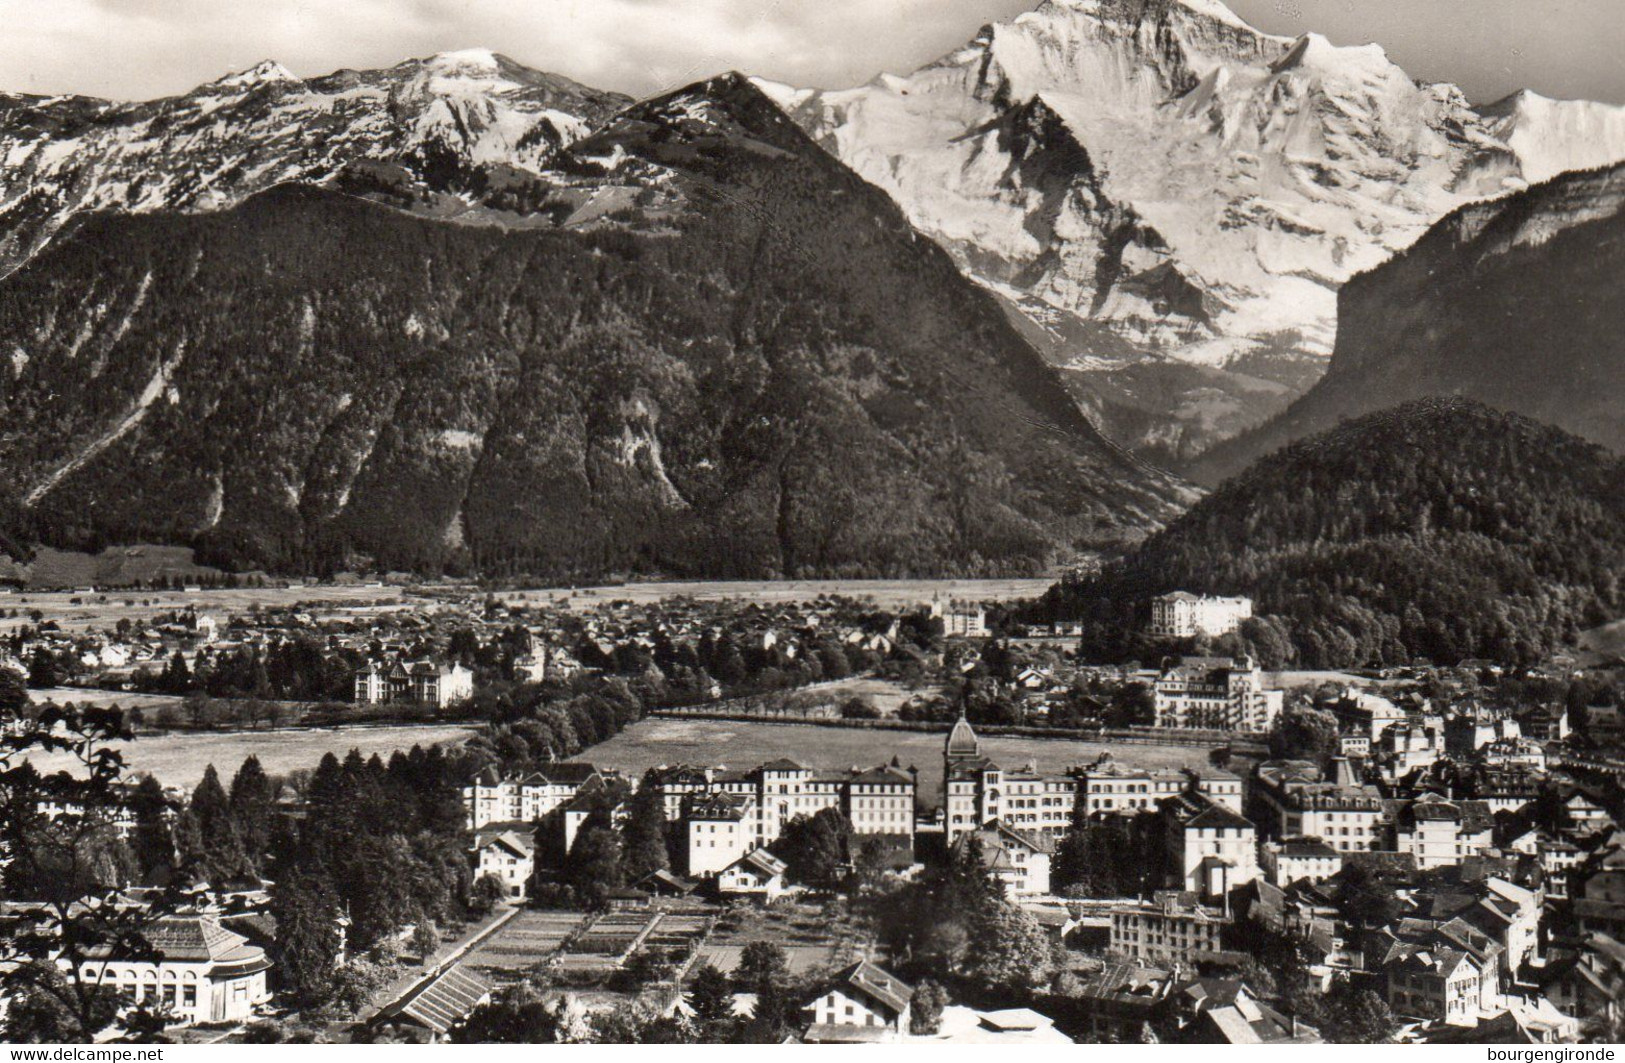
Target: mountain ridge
(1438,528)
(652,377)
(1513,302)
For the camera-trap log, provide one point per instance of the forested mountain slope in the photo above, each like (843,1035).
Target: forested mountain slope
(1441,528)
(723,354)
(1519,303)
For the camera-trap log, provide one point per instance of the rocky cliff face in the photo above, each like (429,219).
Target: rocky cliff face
(711,349)
(1172,197)
(1516,303)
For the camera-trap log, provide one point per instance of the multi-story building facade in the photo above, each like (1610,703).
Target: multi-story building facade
(1296,859)
(719,831)
(1408,747)
(1291,799)
(1173,927)
(960,619)
(1440,833)
(976,791)
(877,801)
(1215,693)
(492,798)
(1442,984)
(413,682)
(1211,850)
(1183,615)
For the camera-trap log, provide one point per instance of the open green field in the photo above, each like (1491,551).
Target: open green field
(745,744)
(1602,643)
(180,759)
(104,610)
(83,696)
(886,593)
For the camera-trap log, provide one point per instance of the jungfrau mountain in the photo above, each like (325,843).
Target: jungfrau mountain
(1159,199)
(1173,198)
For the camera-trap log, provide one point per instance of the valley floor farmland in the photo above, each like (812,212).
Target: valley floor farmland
(892,594)
(745,744)
(180,759)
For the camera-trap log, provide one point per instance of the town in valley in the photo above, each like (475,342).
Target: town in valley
(1024,522)
(935,819)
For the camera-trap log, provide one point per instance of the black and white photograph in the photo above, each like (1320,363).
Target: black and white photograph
(836,522)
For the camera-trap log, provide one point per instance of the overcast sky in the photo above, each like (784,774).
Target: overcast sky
(144,48)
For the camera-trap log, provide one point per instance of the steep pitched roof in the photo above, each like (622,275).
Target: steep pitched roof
(871,981)
(567,773)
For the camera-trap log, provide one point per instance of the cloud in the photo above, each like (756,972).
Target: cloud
(142,48)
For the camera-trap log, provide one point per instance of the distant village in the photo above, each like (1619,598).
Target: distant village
(1420,855)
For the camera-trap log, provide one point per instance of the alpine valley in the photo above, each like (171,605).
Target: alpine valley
(458,314)
(688,342)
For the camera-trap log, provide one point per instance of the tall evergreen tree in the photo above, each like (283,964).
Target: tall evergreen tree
(307,936)
(220,850)
(253,801)
(643,836)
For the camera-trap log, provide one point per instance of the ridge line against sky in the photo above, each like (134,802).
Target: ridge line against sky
(139,49)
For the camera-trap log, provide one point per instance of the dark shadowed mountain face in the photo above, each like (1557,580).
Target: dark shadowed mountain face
(1519,303)
(713,351)
(1441,528)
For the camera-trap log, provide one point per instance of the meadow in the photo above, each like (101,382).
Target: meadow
(180,759)
(83,610)
(891,594)
(745,744)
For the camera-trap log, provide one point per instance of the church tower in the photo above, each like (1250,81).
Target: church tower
(962,746)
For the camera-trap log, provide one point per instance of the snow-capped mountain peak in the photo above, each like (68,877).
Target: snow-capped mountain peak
(1157,179)
(1555,136)
(412,125)
(265,72)
(475,59)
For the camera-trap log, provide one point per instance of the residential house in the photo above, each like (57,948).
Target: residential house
(1224,1011)
(509,857)
(1018,860)
(861,995)
(1123,1000)
(1362,712)
(759,874)
(1430,982)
